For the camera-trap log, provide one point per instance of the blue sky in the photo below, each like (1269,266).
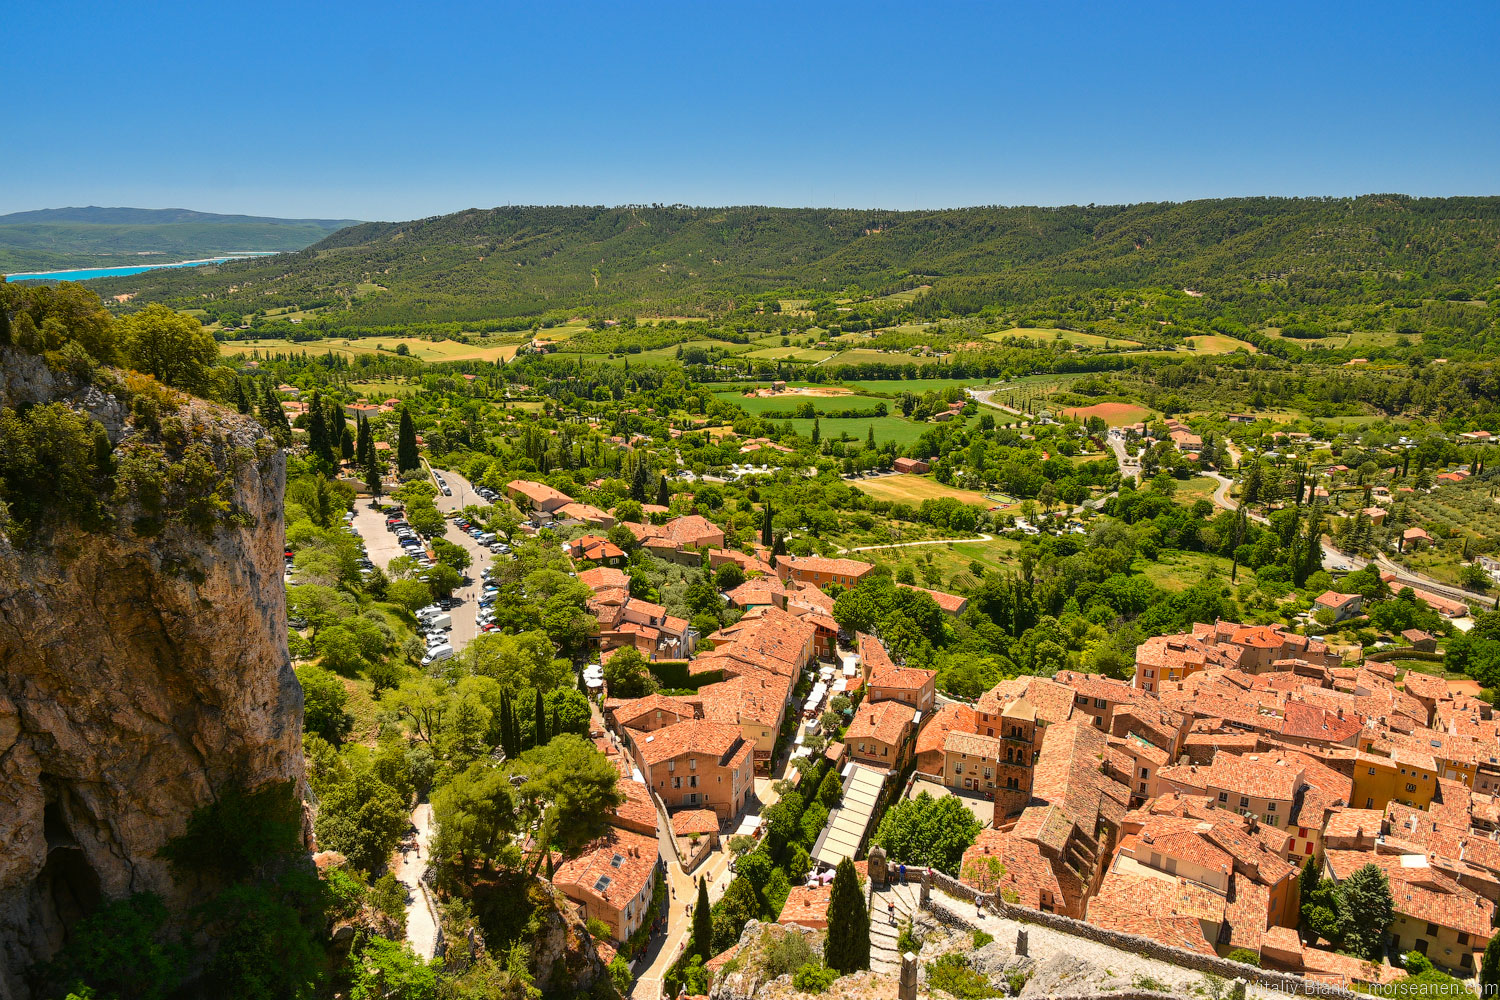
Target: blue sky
(395,111)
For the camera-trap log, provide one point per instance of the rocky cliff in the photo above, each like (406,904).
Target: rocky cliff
(141,671)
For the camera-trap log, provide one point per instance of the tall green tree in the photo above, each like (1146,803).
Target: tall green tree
(318,440)
(767,536)
(1366,909)
(406,443)
(539,728)
(171,346)
(928,831)
(847,947)
(703,925)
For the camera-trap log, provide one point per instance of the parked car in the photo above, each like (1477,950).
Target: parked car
(438,653)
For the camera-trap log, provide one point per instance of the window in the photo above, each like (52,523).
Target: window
(1244,802)
(671,765)
(1410,787)
(1145,773)
(1463,937)
(1432,930)
(1223,796)
(988,773)
(1372,770)
(1150,673)
(957,768)
(1270,807)
(676,782)
(1272,820)
(693,781)
(1098,702)
(692,763)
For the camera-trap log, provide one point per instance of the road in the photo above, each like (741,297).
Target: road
(1129,467)
(986,397)
(421,931)
(1333,556)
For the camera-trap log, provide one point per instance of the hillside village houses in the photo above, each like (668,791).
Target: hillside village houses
(1179,804)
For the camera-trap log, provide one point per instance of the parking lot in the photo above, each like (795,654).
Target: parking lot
(382,546)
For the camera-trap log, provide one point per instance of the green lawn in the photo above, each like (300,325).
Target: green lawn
(1174,570)
(897,429)
(865,356)
(779,353)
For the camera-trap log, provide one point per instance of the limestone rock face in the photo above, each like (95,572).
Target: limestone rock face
(562,953)
(138,677)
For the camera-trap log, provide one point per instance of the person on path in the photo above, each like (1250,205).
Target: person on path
(890,910)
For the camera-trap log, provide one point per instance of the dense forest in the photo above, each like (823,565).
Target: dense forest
(1262,255)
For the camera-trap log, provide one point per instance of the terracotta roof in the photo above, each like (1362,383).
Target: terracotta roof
(1420,891)
(953,716)
(807,905)
(950,603)
(537,492)
(821,564)
(602,577)
(628,712)
(637,811)
(885,721)
(691,821)
(714,739)
(615,868)
(1143,905)
(1018,871)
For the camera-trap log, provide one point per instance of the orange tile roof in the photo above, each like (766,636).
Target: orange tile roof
(884,721)
(625,858)
(603,577)
(714,739)
(821,564)
(954,716)
(687,822)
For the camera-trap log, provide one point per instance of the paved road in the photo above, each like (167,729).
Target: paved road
(986,397)
(1333,556)
(421,931)
(1129,467)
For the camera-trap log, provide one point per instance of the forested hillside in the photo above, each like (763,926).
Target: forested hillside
(516,262)
(58,238)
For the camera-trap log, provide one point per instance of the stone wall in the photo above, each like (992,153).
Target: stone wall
(1281,982)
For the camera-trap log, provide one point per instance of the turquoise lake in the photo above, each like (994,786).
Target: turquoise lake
(84,274)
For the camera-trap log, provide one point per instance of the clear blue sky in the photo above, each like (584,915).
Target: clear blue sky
(394,111)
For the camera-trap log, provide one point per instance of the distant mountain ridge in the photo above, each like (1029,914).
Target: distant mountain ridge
(53,239)
(94,215)
(518,261)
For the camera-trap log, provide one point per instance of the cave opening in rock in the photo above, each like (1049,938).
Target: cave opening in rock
(68,883)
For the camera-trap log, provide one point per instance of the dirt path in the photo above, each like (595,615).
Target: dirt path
(930,541)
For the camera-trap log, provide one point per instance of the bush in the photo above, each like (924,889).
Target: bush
(788,954)
(1244,955)
(952,974)
(813,978)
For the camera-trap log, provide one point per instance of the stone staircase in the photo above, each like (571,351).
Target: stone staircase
(885,956)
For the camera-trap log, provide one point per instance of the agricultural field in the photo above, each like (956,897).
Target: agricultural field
(896,386)
(913,489)
(556,334)
(786,402)
(422,350)
(865,356)
(1219,344)
(1065,336)
(780,353)
(1113,414)
(384,389)
(1189,492)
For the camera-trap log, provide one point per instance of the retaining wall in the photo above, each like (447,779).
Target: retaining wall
(1281,982)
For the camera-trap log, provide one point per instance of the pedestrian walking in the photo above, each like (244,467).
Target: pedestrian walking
(890,910)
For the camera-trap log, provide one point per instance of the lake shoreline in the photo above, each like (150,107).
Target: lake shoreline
(124,270)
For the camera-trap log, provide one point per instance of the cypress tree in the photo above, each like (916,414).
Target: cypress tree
(663,495)
(847,948)
(406,444)
(817,431)
(703,925)
(346,442)
(541,720)
(4,323)
(241,401)
(638,483)
(1308,884)
(317,431)
(766,536)
(361,438)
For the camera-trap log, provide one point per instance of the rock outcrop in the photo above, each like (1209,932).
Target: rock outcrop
(139,676)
